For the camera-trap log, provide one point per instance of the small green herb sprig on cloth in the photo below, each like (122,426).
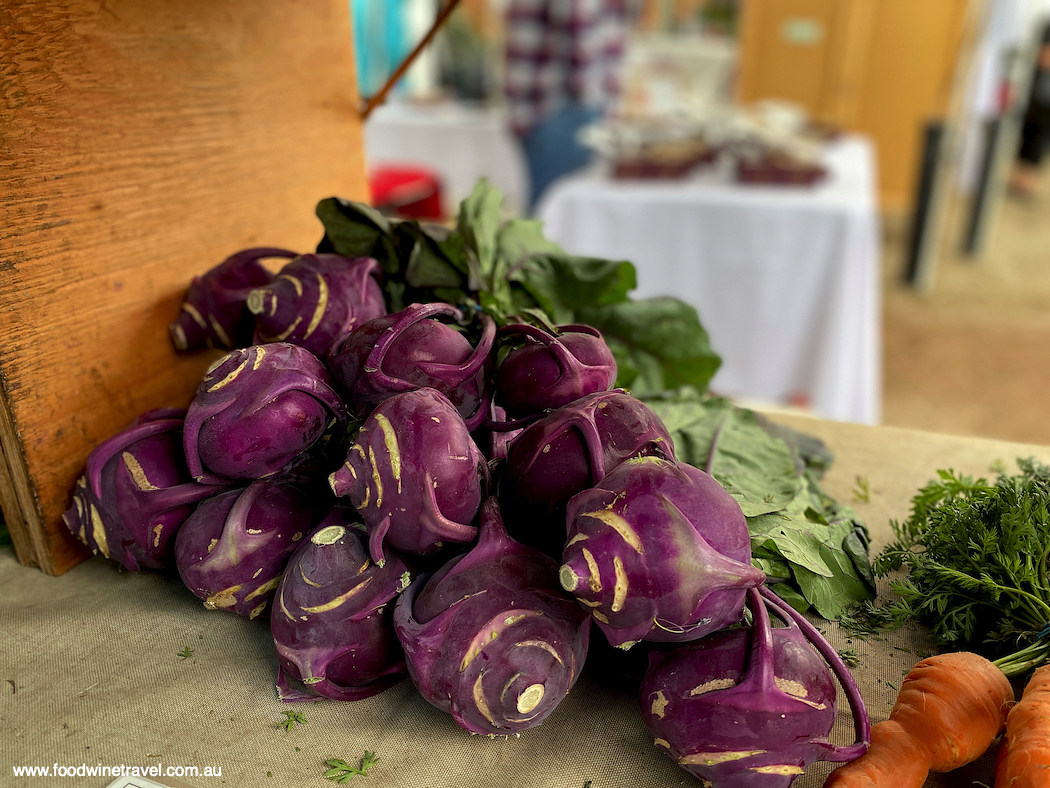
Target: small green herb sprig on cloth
(977,562)
(291,719)
(340,771)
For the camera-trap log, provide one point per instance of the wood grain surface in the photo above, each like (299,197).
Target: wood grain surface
(142,142)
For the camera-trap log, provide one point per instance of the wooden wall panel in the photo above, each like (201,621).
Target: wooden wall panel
(141,142)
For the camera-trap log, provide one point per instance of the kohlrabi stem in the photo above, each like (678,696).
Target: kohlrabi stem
(760,662)
(106,450)
(510,425)
(709,465)
(861,723)
(408,317)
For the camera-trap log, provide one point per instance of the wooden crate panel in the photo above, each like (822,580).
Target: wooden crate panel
(144,141)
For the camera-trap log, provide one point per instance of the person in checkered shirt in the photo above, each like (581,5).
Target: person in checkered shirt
(562,72)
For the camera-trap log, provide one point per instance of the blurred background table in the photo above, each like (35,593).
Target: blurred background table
(785,278)
(459,142)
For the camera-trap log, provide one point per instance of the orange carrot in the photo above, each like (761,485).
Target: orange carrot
(894,757)
(948,712)
(1024,756)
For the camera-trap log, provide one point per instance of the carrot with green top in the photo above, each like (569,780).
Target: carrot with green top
(977,557)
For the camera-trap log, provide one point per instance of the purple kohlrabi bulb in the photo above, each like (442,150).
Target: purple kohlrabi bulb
(136,492)
(490,638)
(257,410)
(412,350)
(214,313)
(332,621)
(750,707)
(658,551)
(232,550)
(568,451)
(316,300)
(415,475)
(551,370)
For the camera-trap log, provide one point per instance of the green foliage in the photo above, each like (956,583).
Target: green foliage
(799,534)
(509,270)
(659,344)
(976,557)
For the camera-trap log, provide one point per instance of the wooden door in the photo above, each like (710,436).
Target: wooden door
(883,68)
(810,52)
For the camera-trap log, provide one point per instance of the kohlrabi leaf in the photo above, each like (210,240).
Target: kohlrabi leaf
(757,469)
(479,224)
(563,285)
(659,343)
(793,523)
(793,537)
(790,595)
(832,596)
(354,229)
(774,567)
(521,239)
(426,265)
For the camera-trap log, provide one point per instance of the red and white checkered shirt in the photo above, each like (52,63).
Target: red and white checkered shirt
(559,51)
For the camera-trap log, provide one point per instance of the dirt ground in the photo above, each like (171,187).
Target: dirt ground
(972,355)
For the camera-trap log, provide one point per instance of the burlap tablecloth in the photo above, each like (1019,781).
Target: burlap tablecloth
(90,673)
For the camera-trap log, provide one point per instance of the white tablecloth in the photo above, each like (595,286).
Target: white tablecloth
(785,279)
(461,143)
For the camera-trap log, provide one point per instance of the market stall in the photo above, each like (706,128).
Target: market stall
(125,654)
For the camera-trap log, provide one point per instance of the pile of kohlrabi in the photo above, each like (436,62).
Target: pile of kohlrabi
(421,456)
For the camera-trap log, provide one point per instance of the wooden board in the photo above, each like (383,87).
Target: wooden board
(142,142)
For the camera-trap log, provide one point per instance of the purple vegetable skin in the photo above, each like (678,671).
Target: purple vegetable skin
(232,550)
(316,300)
(414,474)
(215,312)
(498,434)
(136,492)
(751,707)
(256,410)
(571,450)
(552,370)
(658,551)
(490,638)
(332,622)
(412,350)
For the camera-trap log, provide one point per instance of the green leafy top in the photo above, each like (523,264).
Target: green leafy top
(799,535)
(509,270)
(977,561)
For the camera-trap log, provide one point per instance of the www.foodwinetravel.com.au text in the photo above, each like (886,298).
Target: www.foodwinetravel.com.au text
(116,770)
